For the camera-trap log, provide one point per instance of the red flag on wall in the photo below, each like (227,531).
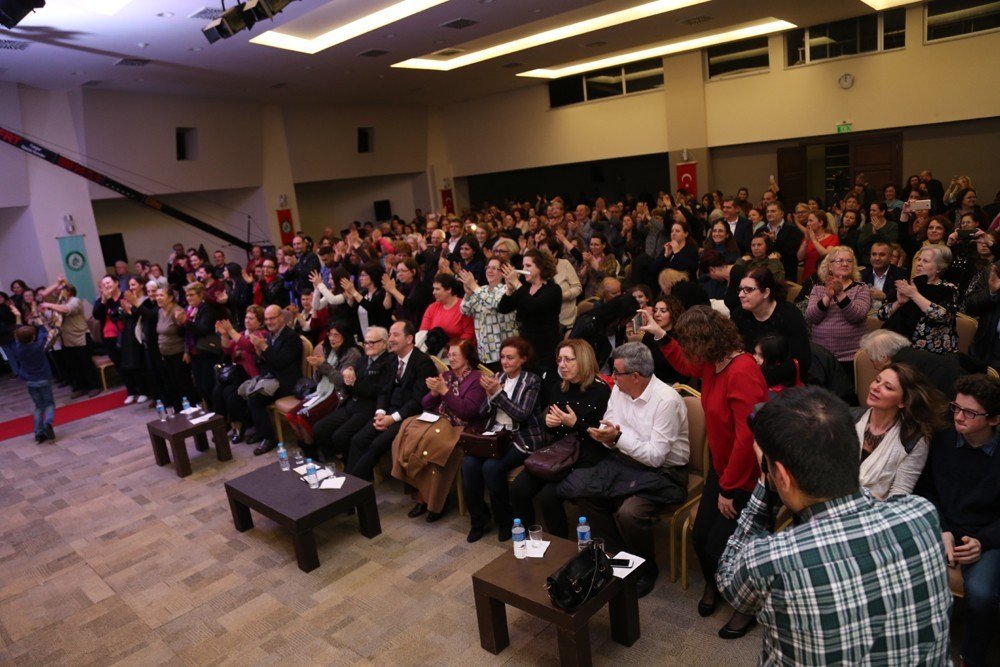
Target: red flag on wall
(285,225)
(448,201)
(687,177)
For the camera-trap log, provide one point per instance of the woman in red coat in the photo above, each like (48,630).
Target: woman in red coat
(708,346)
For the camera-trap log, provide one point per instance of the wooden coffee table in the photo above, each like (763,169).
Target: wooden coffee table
(176,430)
(521,584)
(288,501)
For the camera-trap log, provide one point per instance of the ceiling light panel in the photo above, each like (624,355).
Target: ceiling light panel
(755,29)
(379,19)
(637,13)
(879,5)
(106,7)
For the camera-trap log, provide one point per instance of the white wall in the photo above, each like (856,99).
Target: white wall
(339,203)
(149,234)
(20,255)
(13,170)
(517,130)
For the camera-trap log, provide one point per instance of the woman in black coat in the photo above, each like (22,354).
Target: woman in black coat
(133,354)
(202,343)
(537,302)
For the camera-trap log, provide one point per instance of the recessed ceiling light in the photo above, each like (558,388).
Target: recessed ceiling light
(195,48)
(340,34)
(636,13)
(756,29)
(391,35)
(143,45)
(165,15)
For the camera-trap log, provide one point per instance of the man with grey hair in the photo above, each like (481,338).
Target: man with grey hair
(646,428)
(885,347)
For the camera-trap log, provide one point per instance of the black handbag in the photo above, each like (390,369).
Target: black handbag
(304,387)
(484,446)
(227,374)
(581,578)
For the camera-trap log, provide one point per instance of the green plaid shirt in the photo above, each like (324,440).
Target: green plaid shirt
(856,582)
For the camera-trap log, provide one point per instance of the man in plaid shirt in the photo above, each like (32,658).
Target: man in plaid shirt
(855,581)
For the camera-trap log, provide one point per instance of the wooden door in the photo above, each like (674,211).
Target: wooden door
(880,158)
(792,175)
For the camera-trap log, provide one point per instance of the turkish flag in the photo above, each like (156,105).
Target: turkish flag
(687,177)
(285,225)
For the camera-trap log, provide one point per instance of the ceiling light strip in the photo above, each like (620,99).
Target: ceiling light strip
(636,13)
(340,34)
(756,29)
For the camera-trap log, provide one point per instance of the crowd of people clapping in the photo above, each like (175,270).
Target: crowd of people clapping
(564,323)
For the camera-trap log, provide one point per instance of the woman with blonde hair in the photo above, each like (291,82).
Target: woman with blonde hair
(904,412)
(573,406)
(706,344)
(838,307)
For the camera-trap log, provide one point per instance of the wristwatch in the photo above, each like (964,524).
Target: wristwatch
(617,437)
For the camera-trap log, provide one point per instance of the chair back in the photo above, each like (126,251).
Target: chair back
(864,374)
(966,327)
(307,349)
(485,371)
(793,291)
(992,372)
(873,323)
(440,364)
(697,437)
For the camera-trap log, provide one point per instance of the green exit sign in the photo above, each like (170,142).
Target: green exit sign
(844,128)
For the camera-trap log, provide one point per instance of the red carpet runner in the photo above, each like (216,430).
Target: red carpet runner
(65,414)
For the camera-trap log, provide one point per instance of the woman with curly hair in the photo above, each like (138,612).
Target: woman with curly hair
(904,412)
(707,345)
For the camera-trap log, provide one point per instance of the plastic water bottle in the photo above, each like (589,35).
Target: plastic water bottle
(283,458)
(520,544)
(299,459)
(185,404)
(311,475)
(582,534)
(161,412)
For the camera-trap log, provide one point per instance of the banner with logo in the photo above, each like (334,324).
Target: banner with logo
(687,177)
(76,266)
(285,226)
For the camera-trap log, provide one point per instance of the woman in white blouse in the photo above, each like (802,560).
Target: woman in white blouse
(904,412)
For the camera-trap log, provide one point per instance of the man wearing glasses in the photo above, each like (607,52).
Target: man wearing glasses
(362,385)
(279,355)
(962,479)
(270,289)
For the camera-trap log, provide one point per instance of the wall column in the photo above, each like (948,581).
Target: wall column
(687,124)
(277,177)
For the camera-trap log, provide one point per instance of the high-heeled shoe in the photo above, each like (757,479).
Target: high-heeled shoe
(737,626)
(708,602)
(417,510)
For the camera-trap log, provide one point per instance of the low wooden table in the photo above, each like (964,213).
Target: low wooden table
(176,430)
(521,584)
(285,499)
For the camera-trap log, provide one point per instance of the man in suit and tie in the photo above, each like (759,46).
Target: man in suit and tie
(741,227)
(399,400)
(881,275)
(279,354)
(786,236)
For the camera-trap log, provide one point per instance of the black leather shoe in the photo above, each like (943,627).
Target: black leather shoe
(49,432)
(264,447)
(236,435)
(475,534)
(417,510)
(731,631)
(433,516)
(644,585)
(709,600)
(503,533)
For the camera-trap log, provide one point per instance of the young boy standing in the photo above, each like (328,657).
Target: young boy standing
(34,369)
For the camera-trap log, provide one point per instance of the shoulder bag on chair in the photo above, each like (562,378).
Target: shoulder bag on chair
(580,579)
(554,462)
(489,445)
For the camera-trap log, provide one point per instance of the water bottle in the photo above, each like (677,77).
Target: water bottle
(185,404)
(520,544)
(311,475)
(299,459)
(161,412)
(582,534)
(283,458)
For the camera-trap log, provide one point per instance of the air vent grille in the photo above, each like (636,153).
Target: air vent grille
(372,53)
(695,20)
(512,65)
(207,14)
(13,45)
(593,45)
(459,24)
(132,62)
(91,84)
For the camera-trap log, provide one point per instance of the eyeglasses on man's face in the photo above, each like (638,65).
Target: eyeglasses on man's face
(375,342)
(966,412)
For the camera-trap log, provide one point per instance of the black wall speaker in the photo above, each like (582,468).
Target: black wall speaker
(383,211)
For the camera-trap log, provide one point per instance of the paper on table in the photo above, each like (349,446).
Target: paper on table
(334,483)
(622,572)
(191,410)
(428,417)
(204,418)
(321,474)
(537,549)
(301,469)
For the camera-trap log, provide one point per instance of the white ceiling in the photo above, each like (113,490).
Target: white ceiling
(69,47)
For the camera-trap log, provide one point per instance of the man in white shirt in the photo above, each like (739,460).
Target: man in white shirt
(646,428)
